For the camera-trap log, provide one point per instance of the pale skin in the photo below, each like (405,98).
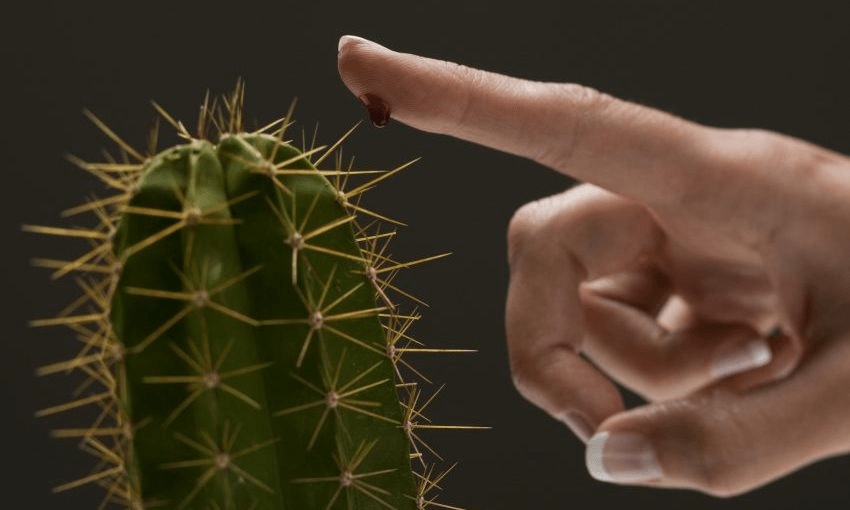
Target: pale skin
(685,245)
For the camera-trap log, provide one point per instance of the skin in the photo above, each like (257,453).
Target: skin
(684,240)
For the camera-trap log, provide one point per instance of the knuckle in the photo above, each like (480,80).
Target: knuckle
(785,178)
(521,375)
(762,139)
(746,149)
(465,73)
(716,482)
(753,147)
(586,104)
(588,98)
(469,79)
(801,160)
(524,222)
(528,369)
(553,225)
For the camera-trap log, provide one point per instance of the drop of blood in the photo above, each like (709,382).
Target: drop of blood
(379,110)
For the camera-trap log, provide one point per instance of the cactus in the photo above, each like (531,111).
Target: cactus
(242,346)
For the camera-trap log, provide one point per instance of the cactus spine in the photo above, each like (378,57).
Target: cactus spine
(238,322)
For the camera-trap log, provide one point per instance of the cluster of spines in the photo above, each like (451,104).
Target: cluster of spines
(100,359)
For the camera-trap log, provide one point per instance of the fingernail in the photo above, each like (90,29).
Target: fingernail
(578,424)
(621,457)
(379,110)
(740,358)
(346,39)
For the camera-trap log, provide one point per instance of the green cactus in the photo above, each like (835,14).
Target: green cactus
(238,323)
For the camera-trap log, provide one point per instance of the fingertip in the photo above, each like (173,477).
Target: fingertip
(365,73)
(635,446)
(350,56)
(622,457)
(347,41)
(737,358)
(578,424)
(593,457)
(773,358)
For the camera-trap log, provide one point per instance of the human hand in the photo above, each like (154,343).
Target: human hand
(668,272)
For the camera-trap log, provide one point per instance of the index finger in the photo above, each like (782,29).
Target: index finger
(632,150)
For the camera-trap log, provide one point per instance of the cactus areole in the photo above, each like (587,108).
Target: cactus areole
(242,345)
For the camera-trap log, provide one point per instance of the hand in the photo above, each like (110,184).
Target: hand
(706,269)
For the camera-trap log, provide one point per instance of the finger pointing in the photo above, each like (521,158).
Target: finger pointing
(633,150)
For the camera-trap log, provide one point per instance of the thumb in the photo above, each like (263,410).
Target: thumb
(725,443)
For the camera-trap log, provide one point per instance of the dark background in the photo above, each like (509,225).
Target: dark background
(736,64)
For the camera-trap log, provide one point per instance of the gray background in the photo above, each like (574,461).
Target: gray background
(741,64)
